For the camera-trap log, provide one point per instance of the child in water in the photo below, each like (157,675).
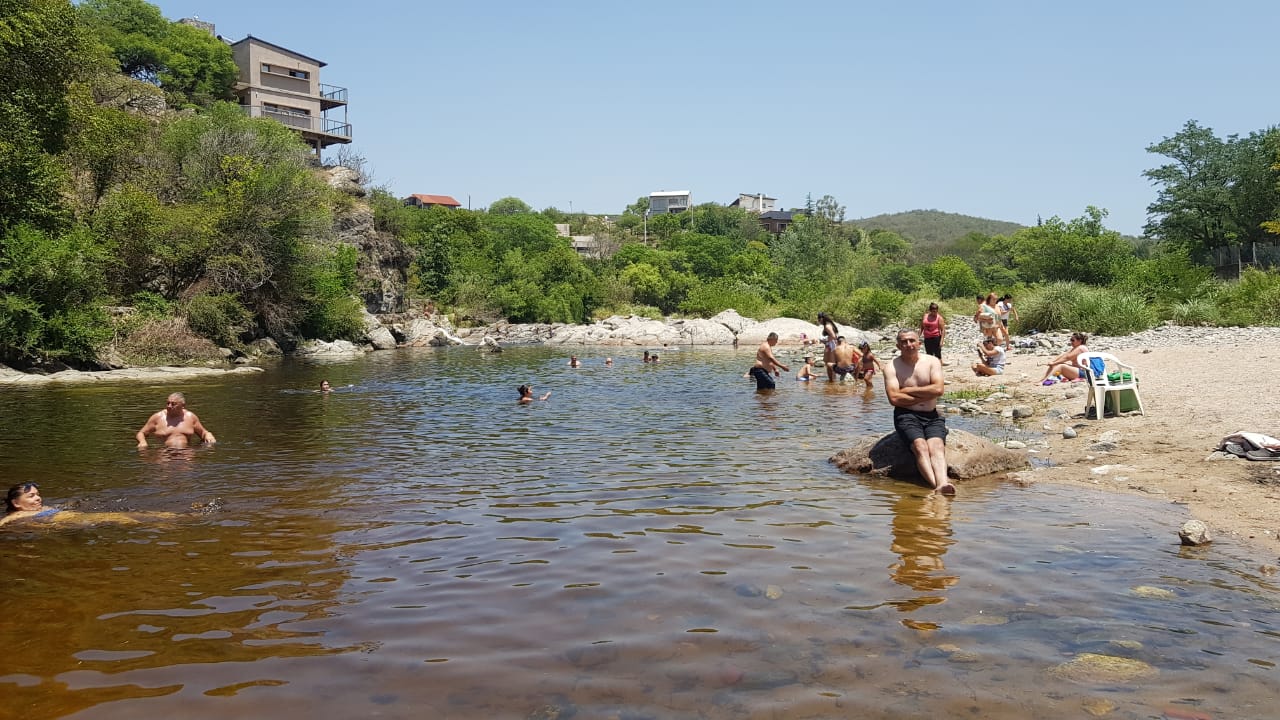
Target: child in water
(806,372)
(867,366)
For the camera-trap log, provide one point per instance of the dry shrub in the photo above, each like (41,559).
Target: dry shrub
(166,341)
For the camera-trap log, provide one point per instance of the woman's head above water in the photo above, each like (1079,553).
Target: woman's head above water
(23,496)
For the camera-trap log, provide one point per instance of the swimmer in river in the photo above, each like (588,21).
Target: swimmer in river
(526,395)
(175,424)
(23,502)
(324,386)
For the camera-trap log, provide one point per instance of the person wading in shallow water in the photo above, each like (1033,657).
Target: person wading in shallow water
(913,385)
(175,424)
(766,364)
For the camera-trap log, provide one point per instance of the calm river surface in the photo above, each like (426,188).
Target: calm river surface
(652,542)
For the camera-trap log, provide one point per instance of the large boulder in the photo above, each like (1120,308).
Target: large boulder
(345,179)
(791,331)
(320,348)
(732,320)
(703,332)
(381,338)
(968,456)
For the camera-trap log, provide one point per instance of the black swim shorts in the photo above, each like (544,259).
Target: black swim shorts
(764,381)
(913,424)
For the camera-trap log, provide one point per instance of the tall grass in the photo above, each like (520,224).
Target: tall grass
(1074,306)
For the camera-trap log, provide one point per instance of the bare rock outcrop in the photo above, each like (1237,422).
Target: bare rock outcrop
(968,456)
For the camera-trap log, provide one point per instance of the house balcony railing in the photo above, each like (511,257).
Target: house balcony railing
(318,125)
(333,92)
(332,96)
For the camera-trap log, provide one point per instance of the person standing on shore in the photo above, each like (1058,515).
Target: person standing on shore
(1005,307)
(175,424)
(933,330)
(913,385)
(767,365)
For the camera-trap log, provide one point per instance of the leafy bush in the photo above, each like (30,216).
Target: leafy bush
(870,307)
(952,277)
(149,304)
(1167,278)
(644,311)
(1254,299)
(51,286)
(220,318)
(722,294)
(333,312)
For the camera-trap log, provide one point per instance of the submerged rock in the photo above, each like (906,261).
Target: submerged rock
(1094,668)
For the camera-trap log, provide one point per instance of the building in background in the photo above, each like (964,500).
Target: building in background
(666,202)
(284,85)
(758,203)
(776,221)
(425,201)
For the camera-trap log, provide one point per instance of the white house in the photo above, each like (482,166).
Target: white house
(669,201)
(757,203)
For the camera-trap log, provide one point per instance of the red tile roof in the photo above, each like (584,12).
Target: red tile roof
(436,200)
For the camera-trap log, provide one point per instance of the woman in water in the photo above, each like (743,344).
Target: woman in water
(23,502)
(526,394)
(830,333)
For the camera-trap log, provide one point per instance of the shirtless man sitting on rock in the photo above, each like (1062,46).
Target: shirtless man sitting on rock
(175,424)
(914,384)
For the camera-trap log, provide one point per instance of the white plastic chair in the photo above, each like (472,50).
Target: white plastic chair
(1106,374)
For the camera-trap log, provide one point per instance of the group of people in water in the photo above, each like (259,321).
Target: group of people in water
(913,382)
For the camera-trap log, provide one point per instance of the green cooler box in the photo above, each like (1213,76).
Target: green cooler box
(1128,402)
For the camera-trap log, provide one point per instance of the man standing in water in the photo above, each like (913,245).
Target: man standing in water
(913,386)
(175,424)
(766,364)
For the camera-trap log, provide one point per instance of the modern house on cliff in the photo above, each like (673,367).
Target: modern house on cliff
(279,83)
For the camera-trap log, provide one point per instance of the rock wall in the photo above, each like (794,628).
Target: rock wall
(383,265)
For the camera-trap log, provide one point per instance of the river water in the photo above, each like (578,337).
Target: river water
(655,541)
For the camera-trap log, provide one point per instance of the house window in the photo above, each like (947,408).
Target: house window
(266,68)
(284,109)
(303,74)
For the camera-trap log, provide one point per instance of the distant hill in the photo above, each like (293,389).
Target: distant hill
(929,230)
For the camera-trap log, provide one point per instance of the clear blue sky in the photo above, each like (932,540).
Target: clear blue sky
(1005,110)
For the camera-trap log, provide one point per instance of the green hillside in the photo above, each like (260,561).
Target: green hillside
(930,229)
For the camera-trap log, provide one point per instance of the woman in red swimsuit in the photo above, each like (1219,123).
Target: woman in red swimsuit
(933,328)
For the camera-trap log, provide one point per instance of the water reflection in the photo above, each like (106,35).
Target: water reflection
(921,529)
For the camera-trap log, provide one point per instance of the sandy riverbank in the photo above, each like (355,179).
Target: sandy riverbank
(1194,395)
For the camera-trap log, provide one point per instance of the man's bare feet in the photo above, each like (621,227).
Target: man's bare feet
(947,489)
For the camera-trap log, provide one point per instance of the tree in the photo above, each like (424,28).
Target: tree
(1081,250)
(189,64)
(1215,192)
(41,53)
(953,277)
(509,206)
